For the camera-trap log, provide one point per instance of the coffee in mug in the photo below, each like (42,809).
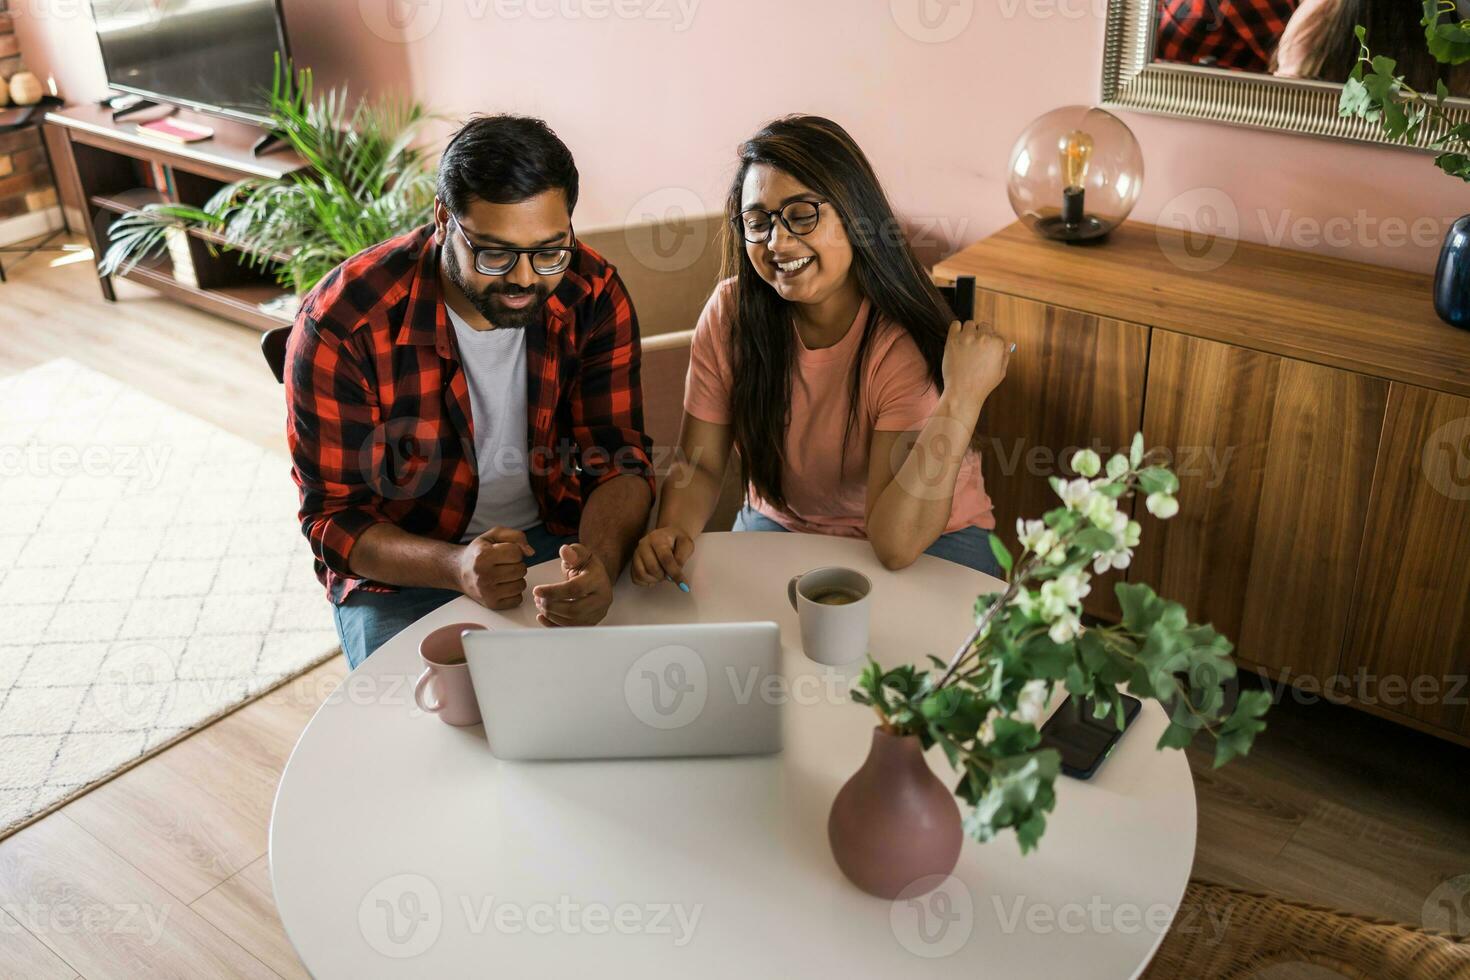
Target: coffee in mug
(832,604)
(836,597)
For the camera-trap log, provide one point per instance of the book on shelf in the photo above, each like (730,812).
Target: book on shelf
(176,130)
(160,178)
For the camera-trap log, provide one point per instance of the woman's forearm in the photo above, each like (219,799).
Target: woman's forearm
(914,508)
(689,496)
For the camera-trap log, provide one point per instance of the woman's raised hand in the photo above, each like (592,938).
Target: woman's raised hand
(975,359)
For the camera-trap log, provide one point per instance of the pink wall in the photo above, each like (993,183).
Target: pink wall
(653,96)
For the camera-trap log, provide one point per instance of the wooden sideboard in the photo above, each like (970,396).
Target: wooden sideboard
(1319,416)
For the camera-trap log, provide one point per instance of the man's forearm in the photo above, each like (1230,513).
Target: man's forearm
(386,553)
(614,518)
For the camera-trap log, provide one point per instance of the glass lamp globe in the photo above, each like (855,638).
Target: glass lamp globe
(1075,174)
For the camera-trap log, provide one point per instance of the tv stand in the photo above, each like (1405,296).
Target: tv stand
(114,170)
(268,143)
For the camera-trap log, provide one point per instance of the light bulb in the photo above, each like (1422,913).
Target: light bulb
(1076,153)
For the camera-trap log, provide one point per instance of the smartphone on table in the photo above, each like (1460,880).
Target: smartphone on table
(1084,741)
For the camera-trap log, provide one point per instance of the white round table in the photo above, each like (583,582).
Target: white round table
(400,847)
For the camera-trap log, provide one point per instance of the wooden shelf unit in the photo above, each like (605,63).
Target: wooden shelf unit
(1317,412)
(113,168)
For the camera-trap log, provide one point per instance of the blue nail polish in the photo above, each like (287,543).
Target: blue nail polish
(683,586)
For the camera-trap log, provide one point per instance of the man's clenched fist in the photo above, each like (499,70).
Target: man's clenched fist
(492,568)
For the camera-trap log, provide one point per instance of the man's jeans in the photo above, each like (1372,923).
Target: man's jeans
(968,546)
(367,620)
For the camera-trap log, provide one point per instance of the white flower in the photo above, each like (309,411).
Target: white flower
(1100,509)
(1074,493)
(1065,628)
(1125,533)
(1041,540)
(985,734)
(1062,594)
(1031,702)
(1161,505)
(1086,462)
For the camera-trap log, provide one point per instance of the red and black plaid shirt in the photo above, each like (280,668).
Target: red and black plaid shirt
(1239,34)
(379,419)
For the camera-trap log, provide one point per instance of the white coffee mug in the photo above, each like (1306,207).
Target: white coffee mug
(834,631)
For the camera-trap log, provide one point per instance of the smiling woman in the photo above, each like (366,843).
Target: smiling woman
(829,361)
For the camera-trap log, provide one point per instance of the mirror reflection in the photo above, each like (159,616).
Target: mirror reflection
(1311,39)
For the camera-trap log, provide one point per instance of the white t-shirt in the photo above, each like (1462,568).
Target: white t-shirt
(494,364)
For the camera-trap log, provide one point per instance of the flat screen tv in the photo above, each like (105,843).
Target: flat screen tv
(217,56)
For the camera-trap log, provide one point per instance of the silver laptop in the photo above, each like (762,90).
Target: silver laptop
(610,692)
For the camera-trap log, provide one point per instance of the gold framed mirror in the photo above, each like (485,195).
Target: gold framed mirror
(1267,64)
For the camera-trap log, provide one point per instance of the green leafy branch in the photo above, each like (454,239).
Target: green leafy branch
(1377,92)
(983,706)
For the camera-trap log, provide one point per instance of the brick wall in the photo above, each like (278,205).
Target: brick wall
(9,43)
(25,180)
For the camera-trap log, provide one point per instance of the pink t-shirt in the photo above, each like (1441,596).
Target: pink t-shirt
(826,490)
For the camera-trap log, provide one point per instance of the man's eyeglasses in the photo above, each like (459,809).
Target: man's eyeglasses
(799,217)
(499,260)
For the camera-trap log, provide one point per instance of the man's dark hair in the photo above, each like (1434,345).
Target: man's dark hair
(504,159)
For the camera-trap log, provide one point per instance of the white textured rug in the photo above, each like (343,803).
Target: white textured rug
(152,578)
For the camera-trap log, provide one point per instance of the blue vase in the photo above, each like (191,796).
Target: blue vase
(1452,278)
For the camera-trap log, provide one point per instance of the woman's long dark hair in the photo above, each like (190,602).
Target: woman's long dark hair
(820,154)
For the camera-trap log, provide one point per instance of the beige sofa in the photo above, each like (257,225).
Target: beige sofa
(669,269)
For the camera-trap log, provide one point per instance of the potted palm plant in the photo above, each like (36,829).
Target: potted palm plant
(366,180)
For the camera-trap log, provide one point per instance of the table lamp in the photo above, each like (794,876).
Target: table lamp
(1075,174)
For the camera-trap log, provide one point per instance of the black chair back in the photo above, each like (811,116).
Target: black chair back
(273,346)
(961,297)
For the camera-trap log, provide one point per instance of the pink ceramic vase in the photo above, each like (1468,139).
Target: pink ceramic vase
(894,822)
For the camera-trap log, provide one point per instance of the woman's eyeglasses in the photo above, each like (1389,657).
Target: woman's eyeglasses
(800,218)
(498,260)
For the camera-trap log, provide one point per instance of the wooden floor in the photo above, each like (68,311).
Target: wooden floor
(162,872)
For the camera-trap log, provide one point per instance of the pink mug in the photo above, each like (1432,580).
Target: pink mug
(446,677)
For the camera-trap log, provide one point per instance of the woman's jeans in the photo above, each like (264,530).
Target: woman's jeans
(367,620)
(969,546)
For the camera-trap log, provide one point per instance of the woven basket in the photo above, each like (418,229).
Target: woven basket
(1226,934)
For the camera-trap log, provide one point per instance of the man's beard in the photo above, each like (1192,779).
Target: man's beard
(486,301)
